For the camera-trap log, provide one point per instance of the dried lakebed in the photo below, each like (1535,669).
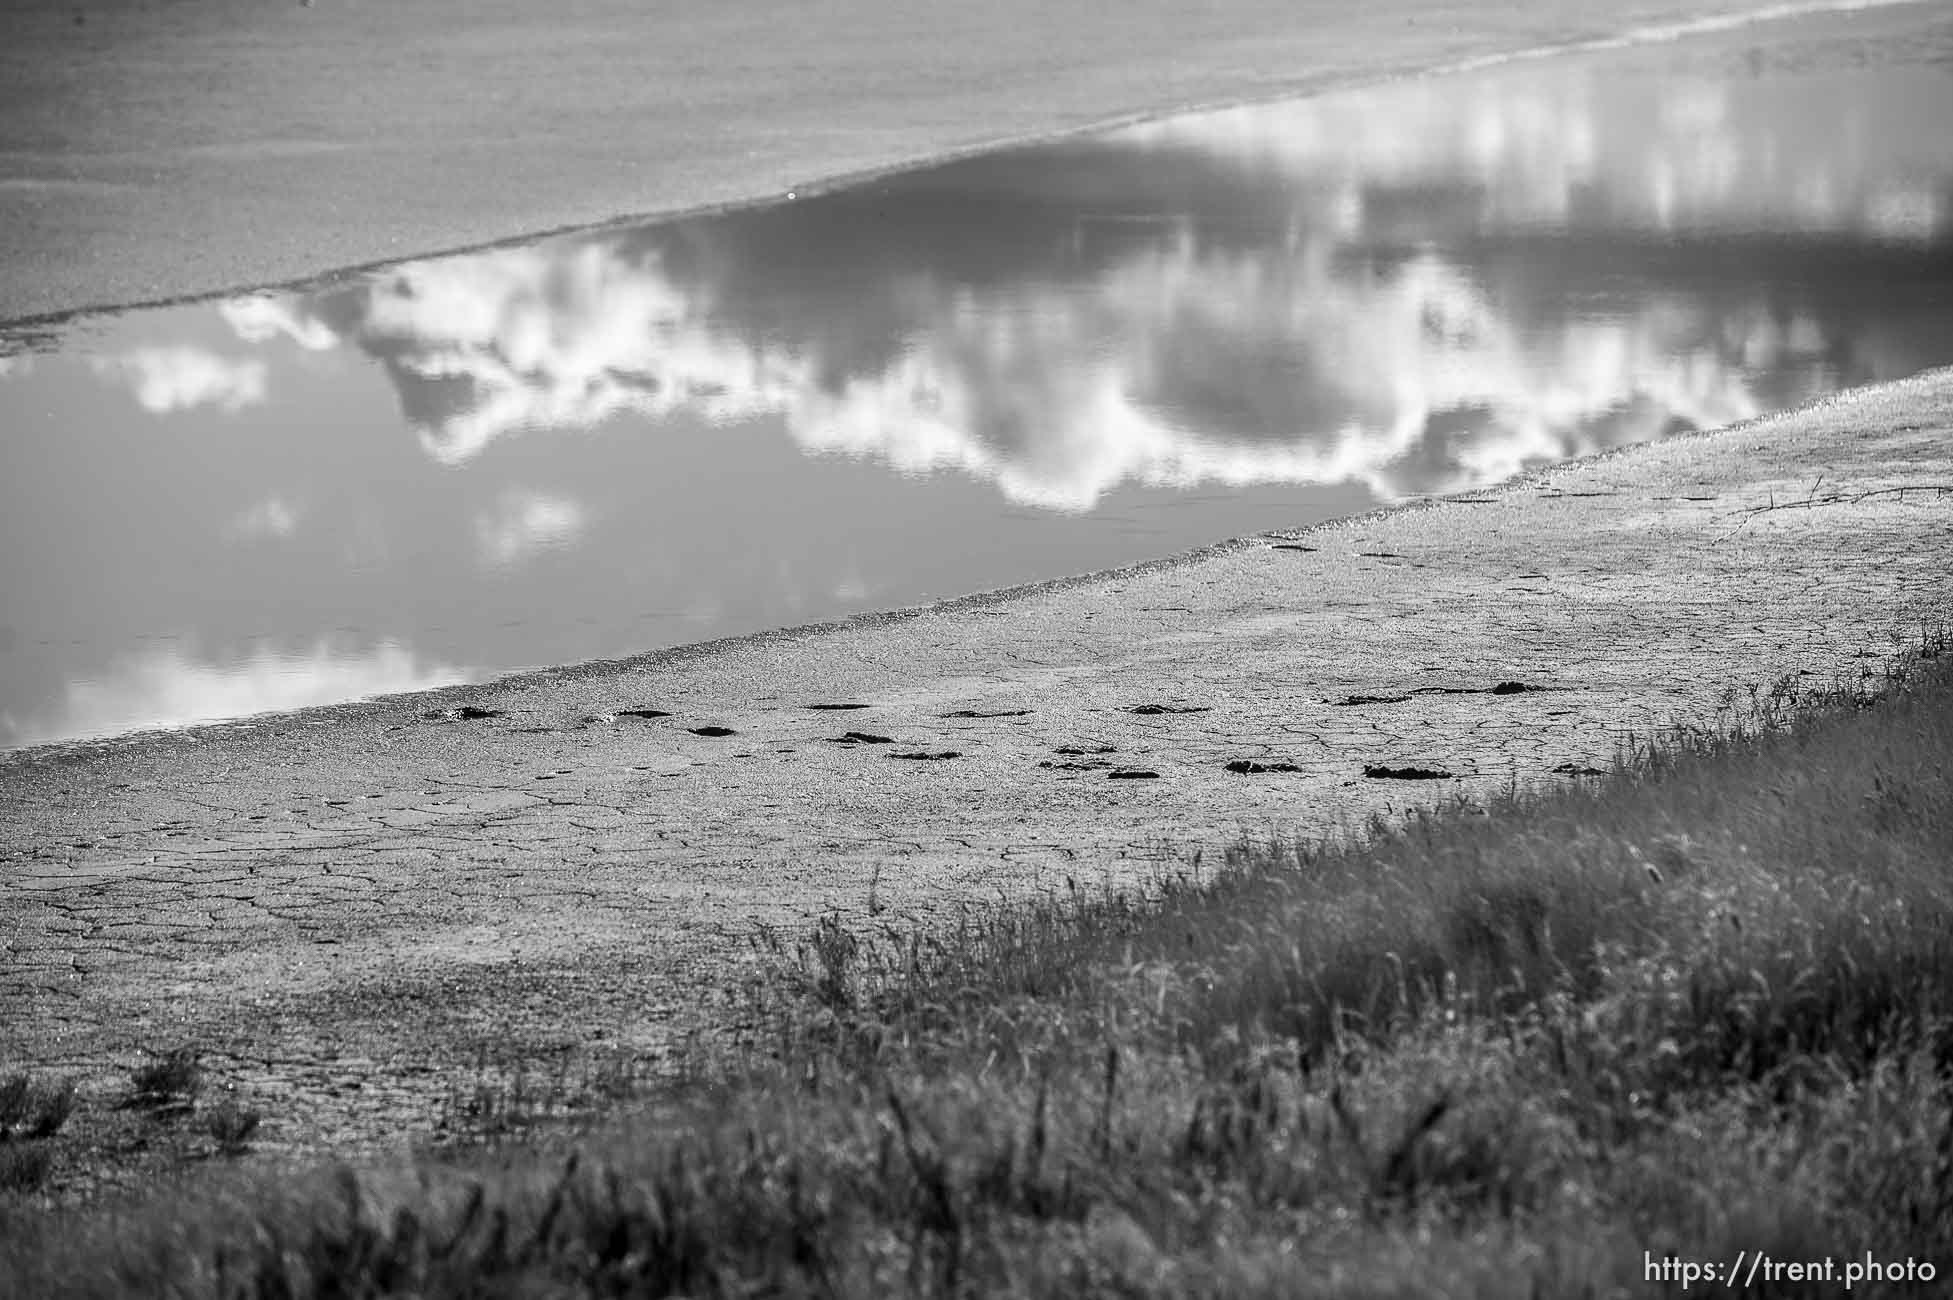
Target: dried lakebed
(346,909)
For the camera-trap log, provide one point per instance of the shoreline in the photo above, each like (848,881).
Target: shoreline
(343,915)
(1364,70)
(521,681)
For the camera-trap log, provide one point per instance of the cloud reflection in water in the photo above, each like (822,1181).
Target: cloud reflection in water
(181,378)
(1004,369)
(522,524)
(171,688)
(1388,337)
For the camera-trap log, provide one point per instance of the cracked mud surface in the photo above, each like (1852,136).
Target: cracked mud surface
(348,908)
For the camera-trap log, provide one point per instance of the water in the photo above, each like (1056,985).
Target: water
(1016,367)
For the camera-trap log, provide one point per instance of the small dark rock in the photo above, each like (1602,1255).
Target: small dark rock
(642,713)
(713,731)
(1290,546)
(837,706)
(1248,767)
(1151,709)
(1406,773)
(1351,700)
(979,713)
(1577,769)
(1512,688)
(859,738)
(926,757)
(1132,774)
(1073,749)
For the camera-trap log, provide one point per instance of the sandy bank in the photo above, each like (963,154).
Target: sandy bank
(155,151)
(370,895)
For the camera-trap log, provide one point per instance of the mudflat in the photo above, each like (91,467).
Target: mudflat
(150,152)
(345,908)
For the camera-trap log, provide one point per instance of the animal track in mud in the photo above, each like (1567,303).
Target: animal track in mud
(1153,709)
(927,757)
(1132,774)
(999,713)
(1378,772)
(465,713)
(1503,688)
(1248,767)
(860,738)
(712,731)
(839,706)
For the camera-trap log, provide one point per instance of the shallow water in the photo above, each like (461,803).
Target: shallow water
(1016,367)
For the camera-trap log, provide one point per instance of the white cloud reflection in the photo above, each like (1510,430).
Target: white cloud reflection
(1340,354)
(260,318)
(1173,367)
(553,337)
(1537,144)
(523,524)
(168,688)
(1187,368)
(272,517)
(182,377)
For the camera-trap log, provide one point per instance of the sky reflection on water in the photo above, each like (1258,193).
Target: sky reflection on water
(1038,363)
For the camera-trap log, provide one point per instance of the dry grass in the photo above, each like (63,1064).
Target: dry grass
(1700,1006)
(31,1113)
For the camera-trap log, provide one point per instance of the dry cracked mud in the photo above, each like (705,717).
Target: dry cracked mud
(347,909)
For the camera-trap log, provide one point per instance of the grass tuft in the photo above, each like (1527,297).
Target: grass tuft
(24,1166)
(172,1080)
(231,1126)
(30,1110)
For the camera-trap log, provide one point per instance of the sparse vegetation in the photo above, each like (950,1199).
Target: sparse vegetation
(502,1101)
(172,1080)
(24,1166)
(231,1126)
(30,1110)
(1703,1006)
(31,1113)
